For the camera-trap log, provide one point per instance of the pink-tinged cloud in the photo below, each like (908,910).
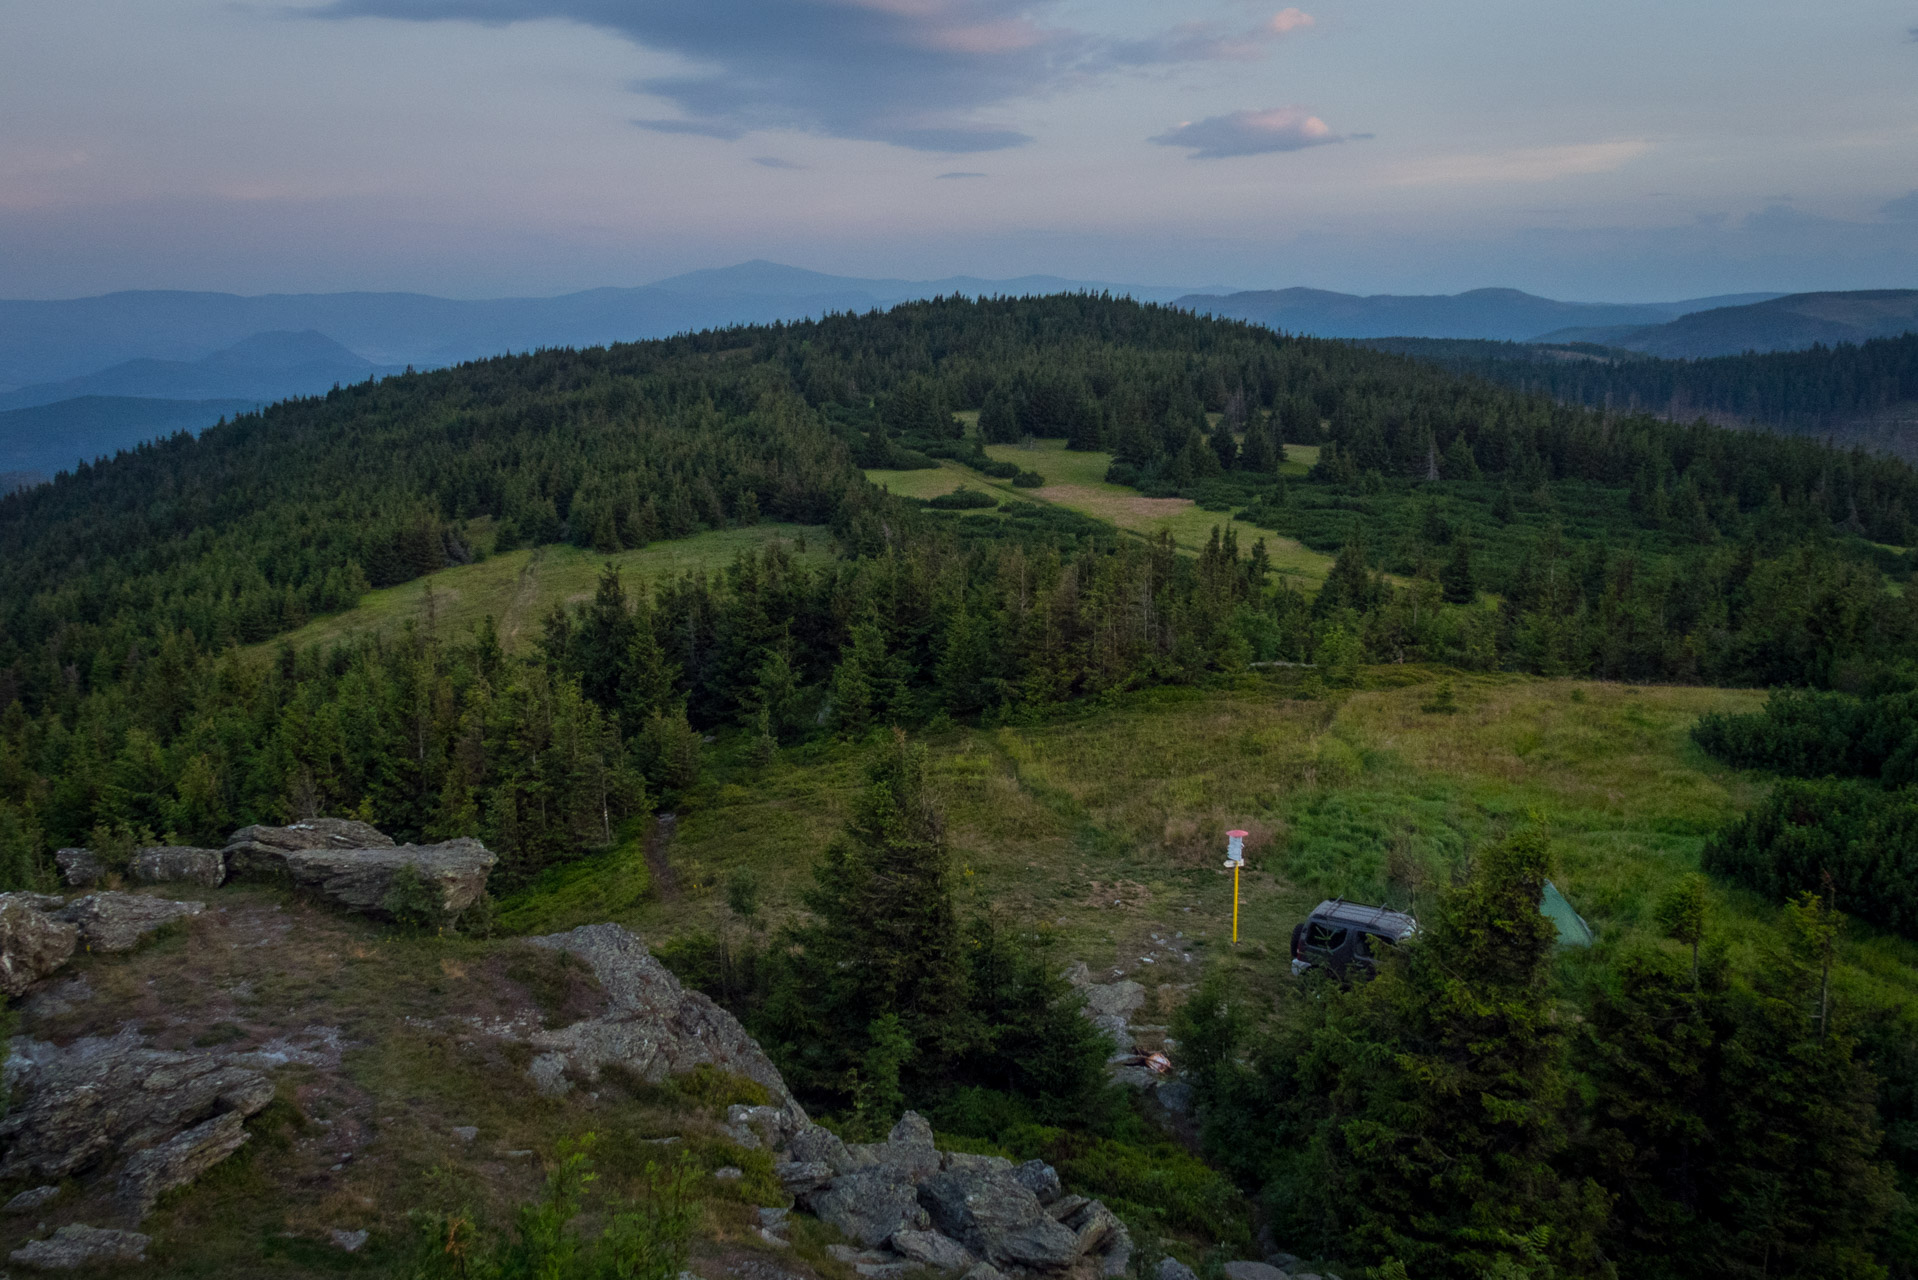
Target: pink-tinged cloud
(1289,20)
(1250,133)
(1210,41)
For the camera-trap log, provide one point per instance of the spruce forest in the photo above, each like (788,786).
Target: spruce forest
(1726,1084)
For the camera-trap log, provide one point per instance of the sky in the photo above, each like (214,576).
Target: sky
(1630,150)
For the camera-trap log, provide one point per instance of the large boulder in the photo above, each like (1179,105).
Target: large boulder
(869,1205)
(100,1098)
(653,1026)
(930,1249)
(32,943)
(181,864)
(259,852)
(178,1161)
(998,1219)
(908,1149)
(80,868)
(111,921)
(362,879)
(78,1247)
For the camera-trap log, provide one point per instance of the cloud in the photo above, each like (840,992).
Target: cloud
(1522,164)
(945,177)
(1250,133)
(1902,209)
(1209,42)
(914,73)
(775,162)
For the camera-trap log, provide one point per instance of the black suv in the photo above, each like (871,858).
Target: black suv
(1339,936)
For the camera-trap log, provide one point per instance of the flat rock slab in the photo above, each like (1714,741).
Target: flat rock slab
(110,921)
(72,1248)
(151,1173)
(998,1219)
(259,852)
(869,1205)
(32,943)
(361,879)
(178,864)
(99,1098)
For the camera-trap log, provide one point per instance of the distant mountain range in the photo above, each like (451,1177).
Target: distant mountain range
(1500,314)
(86,376)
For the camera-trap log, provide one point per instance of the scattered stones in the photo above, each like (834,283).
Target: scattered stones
(32,943)
(654,1027)
(347,1241)
(31,1199)
(466,1132)
(170,863)
(151,1173)
(361,879)
(1110,1006)
(1173,1269)
(112,921)
(984,1271)
(77,1246)
(930,1249)
(260,852)
(80,868)
(729,1173)
(101,1097)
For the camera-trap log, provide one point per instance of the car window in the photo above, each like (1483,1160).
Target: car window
(1324,937)
(1370,943)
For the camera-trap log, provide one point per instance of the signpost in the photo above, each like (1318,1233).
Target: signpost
(1235,859)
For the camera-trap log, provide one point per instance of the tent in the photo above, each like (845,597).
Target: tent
(1572,929)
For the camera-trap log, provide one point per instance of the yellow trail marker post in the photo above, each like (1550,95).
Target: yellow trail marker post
(1235,859)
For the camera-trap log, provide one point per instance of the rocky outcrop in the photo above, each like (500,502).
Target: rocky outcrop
(259,852)
(178,864)
(110,921)
(80,868)
(908,1204)
(104,1098)
(179,1160)
(81,1247)
(652,1026)
(362,879)
(32,943)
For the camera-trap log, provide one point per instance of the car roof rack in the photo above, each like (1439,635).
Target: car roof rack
(1380,920)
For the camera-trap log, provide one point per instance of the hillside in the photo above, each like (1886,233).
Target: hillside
(1789,323)
(895,676)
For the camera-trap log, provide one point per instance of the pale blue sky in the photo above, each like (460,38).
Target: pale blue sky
(1622,150)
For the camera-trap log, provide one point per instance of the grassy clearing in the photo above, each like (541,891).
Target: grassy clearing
(519,588)
(1107,830)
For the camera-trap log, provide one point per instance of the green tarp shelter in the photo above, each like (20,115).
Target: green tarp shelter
(1572,929)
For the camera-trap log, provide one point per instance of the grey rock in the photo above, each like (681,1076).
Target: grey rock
(868,1205)
(548,1071)
(32,943)
(151,1173)
(466,1132)
(998,1218)
(908,1148)
(974,1164)
(1252,1271)
(110,921)
(1096,1226)
(654,1027)
(852,1257)
(80,868)
(174,863)
(1116,1259)
(752,1127)
(1113,999)
(1174,1095)
(775,1218)
(1041,1179)
(348,1241)
(1066,1207)
(729,1173)
(816,1144)
(772,1237)
(1173,1269)
(31,1199)
(984,1271)
(883,1270)
(803,1177)
(930,1249)
(1135,1076)
(77,1246)
(1077,974)
(361,879)
(102,1097)
(1284,1261)
(259,852)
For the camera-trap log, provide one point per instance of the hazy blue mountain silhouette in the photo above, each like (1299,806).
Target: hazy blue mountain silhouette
(1790,322)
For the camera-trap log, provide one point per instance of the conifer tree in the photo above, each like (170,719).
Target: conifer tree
(1456,578)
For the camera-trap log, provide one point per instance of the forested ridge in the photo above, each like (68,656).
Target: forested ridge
(1674,1107)
(1816,390)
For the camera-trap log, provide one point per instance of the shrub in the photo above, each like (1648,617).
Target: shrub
(1028,480)
(412,903)
(962,499)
